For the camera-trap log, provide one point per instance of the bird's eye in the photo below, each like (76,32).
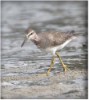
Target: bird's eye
(31,33)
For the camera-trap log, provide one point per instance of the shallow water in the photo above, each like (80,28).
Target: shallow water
(41,16)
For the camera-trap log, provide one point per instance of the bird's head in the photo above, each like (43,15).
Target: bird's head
(30,35)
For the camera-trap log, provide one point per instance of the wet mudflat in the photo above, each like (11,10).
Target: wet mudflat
(72,84)
(22,69)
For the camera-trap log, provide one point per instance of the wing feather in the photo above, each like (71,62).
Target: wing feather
(50,39)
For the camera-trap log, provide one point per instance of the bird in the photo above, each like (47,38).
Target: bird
(51,42)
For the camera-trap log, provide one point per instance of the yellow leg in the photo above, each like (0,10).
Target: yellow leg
(65,68)
(51,65)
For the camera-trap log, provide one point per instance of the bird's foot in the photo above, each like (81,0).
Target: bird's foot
(49,70)
(48,73)
(65,68)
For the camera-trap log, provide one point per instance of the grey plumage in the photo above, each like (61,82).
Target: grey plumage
(51,39)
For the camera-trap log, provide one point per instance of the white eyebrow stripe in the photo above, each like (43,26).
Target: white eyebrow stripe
(29,33)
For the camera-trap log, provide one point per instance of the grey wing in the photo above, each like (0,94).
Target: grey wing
(50,39)
(58,38)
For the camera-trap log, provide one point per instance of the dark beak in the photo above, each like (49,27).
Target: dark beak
(25,39)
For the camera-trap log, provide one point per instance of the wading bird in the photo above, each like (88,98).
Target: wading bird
(50,41)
